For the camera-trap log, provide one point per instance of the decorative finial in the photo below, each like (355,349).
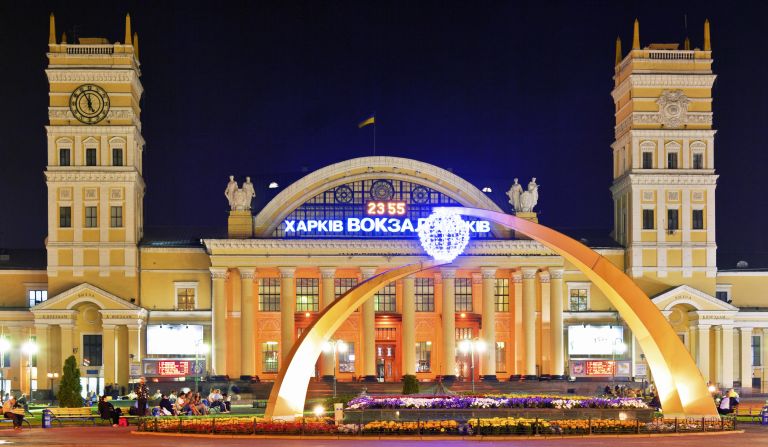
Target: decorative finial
(64,37)
(707,41)
(636,36)
(618,50)
(687,44)
(52,30)
(136,45)
(127,29)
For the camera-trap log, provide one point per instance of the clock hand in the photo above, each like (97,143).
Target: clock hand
(88,100)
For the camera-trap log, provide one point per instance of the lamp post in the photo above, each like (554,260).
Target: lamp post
(5,345)
(29,348)
(200,348)
(52,376)
(472,346)
(335,346)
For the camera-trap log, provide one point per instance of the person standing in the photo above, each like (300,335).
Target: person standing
(142,395)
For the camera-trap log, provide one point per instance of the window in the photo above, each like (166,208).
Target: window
(91,217)
(697,219)
(672,223)
(501,357)
(36,297)
(698,160)
(423,356)
(117,156)
(185,298)
(463,290)
(386,333)
(269,294)
(578,299)
(342,285)
(647,160)
(65,216)
(385,299)
(347,359)
(672,160)
(116,216)
(722,295)
(90,156)
(92,349)
(269,355)
(65,158)
(307,294)
(425,294)
(756,359)
(6,361)
(502,295)
(648,219)
(463,333)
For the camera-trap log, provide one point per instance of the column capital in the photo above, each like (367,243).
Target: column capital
(726,327)
(327,272)
(134,326)
(247,273)
(544,277)
(529,272)
(448,272)
(517,277)
(367,272)
(42,326)
(703,327)
(410,278)
(108,327)
(556,273)
(746,330)
(488,272)
(219,272)
(287,272)
(69,326)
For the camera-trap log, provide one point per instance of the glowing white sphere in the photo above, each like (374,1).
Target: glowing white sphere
(444,235)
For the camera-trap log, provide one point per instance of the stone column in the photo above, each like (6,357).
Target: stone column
(764,359)
(247,316)
(369,332)
(488,365)
(745,355)
(66,345)
(529,321)
(219,277)
(109,354)
(556,308)
(134,344)
(517,308)
(702,357)
(18,370)
(43,355)
(726,350)
(409,325)
(327,275)
(543,328)
(449,323)
(287,310)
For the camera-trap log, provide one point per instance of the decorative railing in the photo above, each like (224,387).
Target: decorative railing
(671,54)
(91,49)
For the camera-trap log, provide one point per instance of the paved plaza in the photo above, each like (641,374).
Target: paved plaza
(754,436)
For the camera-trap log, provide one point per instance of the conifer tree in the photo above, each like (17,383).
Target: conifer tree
(70,387)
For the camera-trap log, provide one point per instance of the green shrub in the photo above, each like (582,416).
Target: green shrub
(70,388)
(410,384)
(340,399)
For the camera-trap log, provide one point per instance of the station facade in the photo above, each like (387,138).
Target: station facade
(125,305)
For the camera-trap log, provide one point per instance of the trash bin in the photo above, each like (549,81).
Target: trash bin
(764,416)
(47,416)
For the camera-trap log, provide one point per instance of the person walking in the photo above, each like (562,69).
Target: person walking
(142,395)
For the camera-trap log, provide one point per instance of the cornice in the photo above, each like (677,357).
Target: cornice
(97,176)
(658,179)
(114,113)
(665,80)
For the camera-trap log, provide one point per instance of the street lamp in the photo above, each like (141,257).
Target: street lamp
(200,348)
(334,346)
(472,346)
(30,348)
(52,376)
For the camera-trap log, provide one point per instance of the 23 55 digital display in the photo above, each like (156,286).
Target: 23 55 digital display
(385,209)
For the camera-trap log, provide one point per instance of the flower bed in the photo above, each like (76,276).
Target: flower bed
(467,402)
(235,425)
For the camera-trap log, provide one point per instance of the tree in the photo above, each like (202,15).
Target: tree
(410,384)
(69,387)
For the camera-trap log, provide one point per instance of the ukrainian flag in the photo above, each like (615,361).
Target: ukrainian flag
(371,120)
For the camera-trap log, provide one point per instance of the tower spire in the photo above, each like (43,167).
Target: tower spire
(636,36)
(136,45)
(618,50)
(707,41)
(52,29)
(127,29)
(687,44)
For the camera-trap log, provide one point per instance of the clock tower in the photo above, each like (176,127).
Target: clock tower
(94,169)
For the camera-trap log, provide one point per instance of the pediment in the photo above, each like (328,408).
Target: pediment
(83,293)
(693,297)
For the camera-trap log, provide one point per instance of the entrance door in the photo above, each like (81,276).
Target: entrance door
(386,364)
(91,384)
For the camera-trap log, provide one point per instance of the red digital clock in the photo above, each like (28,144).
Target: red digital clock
(385,209)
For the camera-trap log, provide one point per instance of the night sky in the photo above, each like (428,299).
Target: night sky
(489,90)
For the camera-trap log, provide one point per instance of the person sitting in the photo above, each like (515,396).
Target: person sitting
(226,403)
(725,406)
(180,406)
(12,411)
(166,407)
(108,411)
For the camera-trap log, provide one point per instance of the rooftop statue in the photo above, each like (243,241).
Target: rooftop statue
(239,198)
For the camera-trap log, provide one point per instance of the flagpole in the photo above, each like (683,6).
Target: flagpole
(374,136)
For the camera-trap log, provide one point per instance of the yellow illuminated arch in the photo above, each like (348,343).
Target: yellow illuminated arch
(681,387)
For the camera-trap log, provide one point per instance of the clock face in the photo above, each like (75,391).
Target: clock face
(89,103)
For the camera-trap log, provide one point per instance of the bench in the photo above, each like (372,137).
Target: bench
(72,414)
(11,421)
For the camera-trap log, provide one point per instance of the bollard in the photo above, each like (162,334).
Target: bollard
(637,426)
(156,430)
(254,425)
(536,427)
(181,424)
(676,428)
(703,424)
(590,425)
